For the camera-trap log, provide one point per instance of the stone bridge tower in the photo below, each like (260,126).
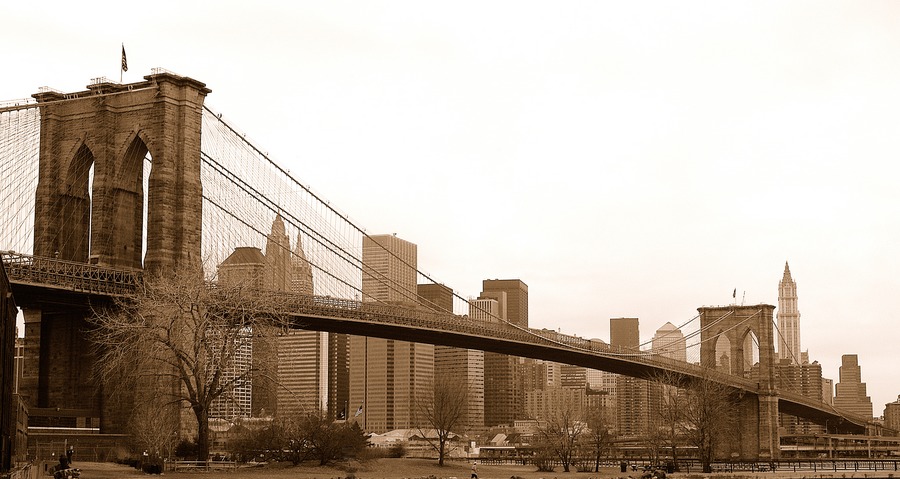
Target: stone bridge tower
(99,219)
(111,128)
(757,421)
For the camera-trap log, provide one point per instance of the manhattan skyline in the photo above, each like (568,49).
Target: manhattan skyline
(621,160)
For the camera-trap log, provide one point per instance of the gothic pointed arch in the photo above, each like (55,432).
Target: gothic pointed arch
(73,238)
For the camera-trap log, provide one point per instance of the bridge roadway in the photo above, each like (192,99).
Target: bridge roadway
(30,275)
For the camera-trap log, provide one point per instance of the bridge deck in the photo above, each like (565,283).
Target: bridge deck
(325,313)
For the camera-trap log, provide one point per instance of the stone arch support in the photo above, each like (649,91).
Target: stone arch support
(120,124)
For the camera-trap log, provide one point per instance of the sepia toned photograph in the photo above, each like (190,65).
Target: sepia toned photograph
(426,239)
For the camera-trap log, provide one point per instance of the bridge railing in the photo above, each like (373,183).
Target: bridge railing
(70,275)
(427,319)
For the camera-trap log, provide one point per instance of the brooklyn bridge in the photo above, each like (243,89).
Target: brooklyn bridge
(106,183)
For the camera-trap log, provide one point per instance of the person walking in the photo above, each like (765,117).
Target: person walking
(475,470)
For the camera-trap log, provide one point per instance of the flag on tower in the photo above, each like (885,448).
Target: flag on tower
(358,411)
(124,60)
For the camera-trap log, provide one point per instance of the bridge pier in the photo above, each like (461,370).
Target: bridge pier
(755,429)
(108,129)
(57,374)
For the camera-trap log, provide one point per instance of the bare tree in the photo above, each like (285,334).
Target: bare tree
(178,337)
(670,402)
(700,412)
(154,426)
(443,412)
(707,409)
(597,437)
(561,431)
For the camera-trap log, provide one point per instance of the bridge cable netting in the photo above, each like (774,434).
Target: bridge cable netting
(245,195)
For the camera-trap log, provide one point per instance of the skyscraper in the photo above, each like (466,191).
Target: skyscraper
(245,266)
(669,342)
(459,367)
(805,379)
(632,394)
(290,369)
(503,394)
(850,391)
(788,316)
(516,308)
(388,377)
(624,333)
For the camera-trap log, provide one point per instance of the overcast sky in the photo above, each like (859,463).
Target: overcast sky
(636,159)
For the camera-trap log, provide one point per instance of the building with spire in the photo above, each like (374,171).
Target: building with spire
(290,369)
(303,356)
(788,317)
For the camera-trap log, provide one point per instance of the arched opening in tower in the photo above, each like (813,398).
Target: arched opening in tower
(73,240)
(123,238)
(750,354)
(723,354)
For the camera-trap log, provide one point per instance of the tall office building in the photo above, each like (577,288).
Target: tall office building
(805,379)
(668,341)
(552,403)
(503,393)
(850,391)
(828,391)
(788,319)
(516,308)
(389,377)
(572,377)
(246,267)
(624,333)
(459,366)
(237,402)
(632,394)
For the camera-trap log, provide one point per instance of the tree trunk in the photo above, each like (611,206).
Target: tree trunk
(441,445)
(202,433)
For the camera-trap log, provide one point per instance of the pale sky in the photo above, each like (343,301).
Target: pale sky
(636,159)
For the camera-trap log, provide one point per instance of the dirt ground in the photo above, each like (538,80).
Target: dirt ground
(423,468)
(377,469)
